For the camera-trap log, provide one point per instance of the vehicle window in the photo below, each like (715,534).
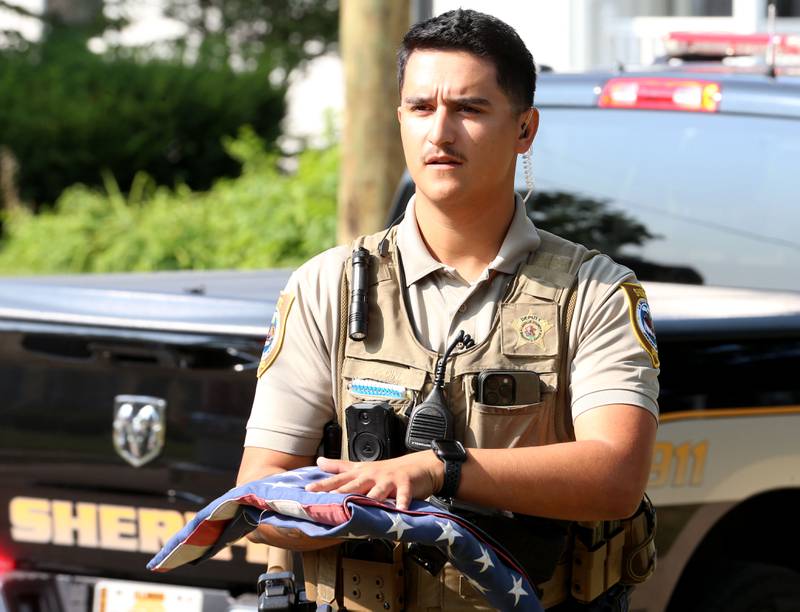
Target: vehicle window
(680,197)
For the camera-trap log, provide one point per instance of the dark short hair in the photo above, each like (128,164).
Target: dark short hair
(481,35)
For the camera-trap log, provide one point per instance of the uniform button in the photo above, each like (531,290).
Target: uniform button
(462,308)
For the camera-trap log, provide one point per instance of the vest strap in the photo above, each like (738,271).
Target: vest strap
(340,350)
(327,575)
(310,564)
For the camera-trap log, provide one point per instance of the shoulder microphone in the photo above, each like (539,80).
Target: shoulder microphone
(432,420)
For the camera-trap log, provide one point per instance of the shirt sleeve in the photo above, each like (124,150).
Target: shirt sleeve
(294,394)
(612,344)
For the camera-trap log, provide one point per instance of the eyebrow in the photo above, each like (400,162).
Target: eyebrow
(468,101)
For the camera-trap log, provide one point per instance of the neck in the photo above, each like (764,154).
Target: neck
(463,236)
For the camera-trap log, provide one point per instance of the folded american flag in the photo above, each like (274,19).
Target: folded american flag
(282,501)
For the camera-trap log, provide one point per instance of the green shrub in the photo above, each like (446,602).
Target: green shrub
(67,114)
(264,218)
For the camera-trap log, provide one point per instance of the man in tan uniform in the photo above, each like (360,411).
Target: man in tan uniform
(466,257)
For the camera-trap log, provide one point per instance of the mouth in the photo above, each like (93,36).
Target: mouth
(443,161)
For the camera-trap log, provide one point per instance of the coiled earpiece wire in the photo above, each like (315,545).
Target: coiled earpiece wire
(527,169)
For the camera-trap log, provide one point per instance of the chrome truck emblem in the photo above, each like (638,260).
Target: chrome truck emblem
(139,427)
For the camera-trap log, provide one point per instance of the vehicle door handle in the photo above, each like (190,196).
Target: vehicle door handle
(124,354)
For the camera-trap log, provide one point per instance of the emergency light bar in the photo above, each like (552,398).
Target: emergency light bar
(661,93)
(726,44)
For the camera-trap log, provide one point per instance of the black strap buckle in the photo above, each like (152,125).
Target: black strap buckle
(278,591)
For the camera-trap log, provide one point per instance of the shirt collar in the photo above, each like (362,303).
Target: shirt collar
(520,240)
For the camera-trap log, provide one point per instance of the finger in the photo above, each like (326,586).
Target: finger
(357,485)
(403,497)
(381,491)
(334,466)
(329,484)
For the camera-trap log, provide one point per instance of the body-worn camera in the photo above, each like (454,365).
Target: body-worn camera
(507,387)
(374,432)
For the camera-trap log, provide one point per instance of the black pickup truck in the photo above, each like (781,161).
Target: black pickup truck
(126,396)
(125,403)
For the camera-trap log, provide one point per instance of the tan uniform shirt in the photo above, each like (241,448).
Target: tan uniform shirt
(295,395)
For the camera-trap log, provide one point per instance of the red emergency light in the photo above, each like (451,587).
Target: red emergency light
(6,563)
(661,93)
(728,44)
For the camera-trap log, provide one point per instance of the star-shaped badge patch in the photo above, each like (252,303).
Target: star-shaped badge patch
(531,329)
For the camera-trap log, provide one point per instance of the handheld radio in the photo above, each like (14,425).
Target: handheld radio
(432,420)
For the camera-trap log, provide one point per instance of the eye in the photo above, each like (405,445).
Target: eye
(417,108)
(468,109)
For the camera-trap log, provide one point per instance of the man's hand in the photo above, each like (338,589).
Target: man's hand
(289,539)
(412,476)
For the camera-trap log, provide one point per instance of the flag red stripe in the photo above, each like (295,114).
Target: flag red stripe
(206,533)
(327,514)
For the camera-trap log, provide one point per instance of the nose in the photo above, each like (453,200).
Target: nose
(441,130)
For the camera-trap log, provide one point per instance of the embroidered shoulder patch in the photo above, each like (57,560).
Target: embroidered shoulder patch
(276,332)
(641,320)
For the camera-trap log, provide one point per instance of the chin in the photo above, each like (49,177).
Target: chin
(443,192)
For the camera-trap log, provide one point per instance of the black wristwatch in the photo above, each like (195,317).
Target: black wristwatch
(452,454)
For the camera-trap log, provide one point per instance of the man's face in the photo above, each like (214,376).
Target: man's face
(460,132)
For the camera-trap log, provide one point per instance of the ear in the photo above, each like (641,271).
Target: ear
(529,125)
(399,114)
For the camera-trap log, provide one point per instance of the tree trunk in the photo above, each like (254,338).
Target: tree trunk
(372,155)
(73,12)
(9,193)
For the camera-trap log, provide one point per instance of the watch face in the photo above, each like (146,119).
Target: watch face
(450,450)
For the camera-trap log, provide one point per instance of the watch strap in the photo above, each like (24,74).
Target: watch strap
(452,477)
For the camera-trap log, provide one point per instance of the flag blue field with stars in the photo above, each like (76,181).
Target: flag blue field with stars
(282,501)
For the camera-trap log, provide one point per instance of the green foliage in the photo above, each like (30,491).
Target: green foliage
(282,32)
(67,114)
(264,218)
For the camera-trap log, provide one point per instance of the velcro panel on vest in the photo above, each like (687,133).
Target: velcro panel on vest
(379,267)
(410,378)
(553,267)
(378,270)
(534,287)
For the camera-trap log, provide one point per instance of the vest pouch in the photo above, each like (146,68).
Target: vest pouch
(557,589)
(515,426)
(372,575)
(588,570)
(639,549)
